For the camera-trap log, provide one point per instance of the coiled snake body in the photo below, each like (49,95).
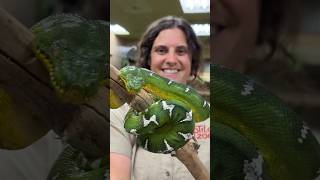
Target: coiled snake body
(254,135)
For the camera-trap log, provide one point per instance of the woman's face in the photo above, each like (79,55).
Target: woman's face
(170,56)
(235,25)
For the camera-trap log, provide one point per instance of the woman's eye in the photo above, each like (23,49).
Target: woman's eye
(182,51)
(161,50)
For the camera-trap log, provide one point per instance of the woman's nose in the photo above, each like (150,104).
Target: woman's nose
(171,58)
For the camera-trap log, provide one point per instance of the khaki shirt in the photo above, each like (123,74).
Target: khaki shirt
(147,165)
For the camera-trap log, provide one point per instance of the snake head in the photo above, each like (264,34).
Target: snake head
(75,52)
(133,78)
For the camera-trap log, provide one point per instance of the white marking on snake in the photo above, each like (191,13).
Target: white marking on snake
(146,122)
(170,82)
(133,131)
(204,103)
(186,136)
(146,144)
(253,169)
(169,148)
(165,106)
(304,132)
(248,88)
(188,117)
(187,89)
(151,74)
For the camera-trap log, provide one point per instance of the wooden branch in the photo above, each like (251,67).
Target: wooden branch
(189,157)
(84,126)
(187,154)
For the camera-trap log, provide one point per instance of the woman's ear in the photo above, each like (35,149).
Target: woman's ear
(193,75)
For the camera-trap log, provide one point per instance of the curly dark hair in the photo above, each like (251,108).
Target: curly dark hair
(161,24)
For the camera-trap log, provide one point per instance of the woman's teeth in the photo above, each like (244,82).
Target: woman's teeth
(170,71)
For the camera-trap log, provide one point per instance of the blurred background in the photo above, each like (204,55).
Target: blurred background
(31,11)
(293,73)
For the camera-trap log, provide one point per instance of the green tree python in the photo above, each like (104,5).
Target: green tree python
(74,50)
(169,123)
(255,135)
(69,46)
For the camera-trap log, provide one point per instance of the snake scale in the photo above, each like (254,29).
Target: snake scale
(254,135)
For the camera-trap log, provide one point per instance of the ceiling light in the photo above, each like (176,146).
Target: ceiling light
(201,29)
(195,6)
(118,30)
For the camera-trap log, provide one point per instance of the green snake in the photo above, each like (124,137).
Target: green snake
(76,58)
(255,135)
(75,52)
(169,123)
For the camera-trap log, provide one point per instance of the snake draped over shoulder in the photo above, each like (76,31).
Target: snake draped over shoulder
(169,123)
(254,135)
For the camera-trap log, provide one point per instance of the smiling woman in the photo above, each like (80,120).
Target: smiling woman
(173,32)
(170,55)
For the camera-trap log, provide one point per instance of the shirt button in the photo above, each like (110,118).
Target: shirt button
(167,173)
